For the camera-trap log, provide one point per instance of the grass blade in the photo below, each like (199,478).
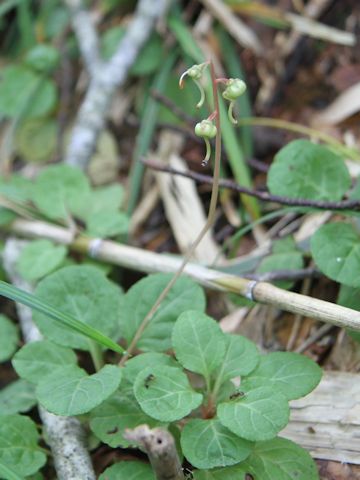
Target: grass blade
(20,296)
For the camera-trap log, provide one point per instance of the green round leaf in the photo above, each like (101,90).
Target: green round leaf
(258,415)
(350,297)
(241,357)
(164,393)
(104,199)
(37,359)
(336,251)
(107,224)
(35,139)
(229,473)
(198,342)
(291,374)
(135,365)
(120,411)
(208,444)
(185,294)
(40,257)
(128,471)
(16,188)
(43,58)
(70,391)
(60,190)
(84,293)
(304,170)
(280,459)
(18,445)
(9,338)
(17,397)
(25,93)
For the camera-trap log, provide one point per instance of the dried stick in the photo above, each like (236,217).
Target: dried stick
(144,261)
(160,447)
(265,196)
(86,34)
(104,82)
(64,434)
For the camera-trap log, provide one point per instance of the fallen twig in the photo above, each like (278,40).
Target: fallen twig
(65,435)
(265,196)
(145,261)
(104,82)
(159,444)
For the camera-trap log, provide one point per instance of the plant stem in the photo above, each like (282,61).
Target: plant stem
(96,355)
(207,226)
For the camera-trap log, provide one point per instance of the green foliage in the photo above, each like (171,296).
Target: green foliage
(70,391)
(140,298)
(290,374)
(223,447)
(165,393)
(38,359)
(128,471)
(198,342)
(280,459)
(25,93)
(36,138)
(17,397)
(60,190)
(39,258)
(9,338)
(85,293)
(43,58)
(109,420)
(19,449)
(336,251)
(304,170)
(257,414)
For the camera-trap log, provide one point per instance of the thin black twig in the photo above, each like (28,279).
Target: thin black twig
(265,196)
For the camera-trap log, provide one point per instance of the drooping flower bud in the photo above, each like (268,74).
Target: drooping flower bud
(234,89)
(206,130)
(195,73)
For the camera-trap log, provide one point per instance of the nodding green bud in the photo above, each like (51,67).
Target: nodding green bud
(234,89)
(205,129)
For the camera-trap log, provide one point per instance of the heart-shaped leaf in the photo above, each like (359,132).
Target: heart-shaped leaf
(70,391)
(85,293)
(37,359)
(39,258)
(18,396)
(280,459)
(60,190)
(164,393)
(128,471)
(19,445)
(135,365)
(241,357)
(259,414)
(139,299)
(289,373)
(198,342)
(208,444)
(9,338)
(336,251)
(120,411)
(303,169)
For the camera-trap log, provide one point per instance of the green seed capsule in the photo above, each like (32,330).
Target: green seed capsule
(234,89)
(205,129)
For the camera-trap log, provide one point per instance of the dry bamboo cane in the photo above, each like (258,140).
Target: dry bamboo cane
(138,259)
